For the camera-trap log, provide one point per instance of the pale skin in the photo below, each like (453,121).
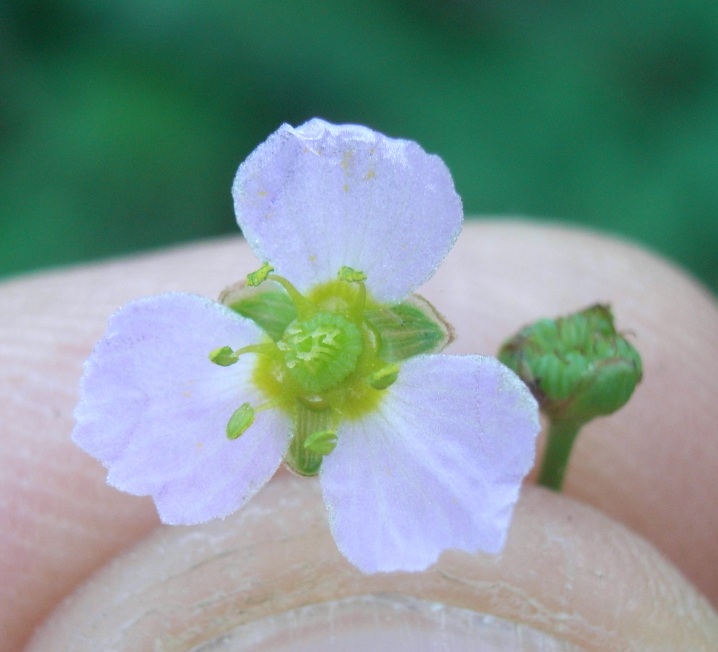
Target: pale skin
(625,559)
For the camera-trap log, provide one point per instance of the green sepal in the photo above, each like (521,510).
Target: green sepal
(322,442)
(307,422)
(409,328)
(268,306)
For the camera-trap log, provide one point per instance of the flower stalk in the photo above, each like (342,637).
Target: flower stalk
(560,439)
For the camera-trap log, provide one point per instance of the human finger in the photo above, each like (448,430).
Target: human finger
(271,578)
(651,465)
(499,276)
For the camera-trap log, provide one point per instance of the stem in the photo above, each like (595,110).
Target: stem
(561,436)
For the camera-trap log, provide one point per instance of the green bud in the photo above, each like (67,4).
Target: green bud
(385,377)
(351,275)
(578,367)
(322,442)
(255,278)
(240,421)
(224,356)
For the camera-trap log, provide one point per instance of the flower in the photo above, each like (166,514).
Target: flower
(324,361)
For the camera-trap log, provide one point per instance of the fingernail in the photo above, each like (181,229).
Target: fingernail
(384,623)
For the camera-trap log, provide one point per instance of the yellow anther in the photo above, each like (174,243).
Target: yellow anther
(259,276)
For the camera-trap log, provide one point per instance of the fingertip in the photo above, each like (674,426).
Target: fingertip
(567,573)
(652,464)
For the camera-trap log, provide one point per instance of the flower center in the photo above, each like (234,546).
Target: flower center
(322,351)
(320,361)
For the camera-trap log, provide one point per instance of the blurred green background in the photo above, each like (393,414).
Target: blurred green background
(122,122)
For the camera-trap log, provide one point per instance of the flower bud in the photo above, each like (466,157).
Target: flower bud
(578,367)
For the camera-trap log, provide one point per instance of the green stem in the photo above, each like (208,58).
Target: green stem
(561,436)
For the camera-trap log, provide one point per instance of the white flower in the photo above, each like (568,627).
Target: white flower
(417,452)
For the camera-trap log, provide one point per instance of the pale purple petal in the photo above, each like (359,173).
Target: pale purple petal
(312,199)
(154,409)
(438,466)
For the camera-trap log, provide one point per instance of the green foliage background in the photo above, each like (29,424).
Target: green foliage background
(122,122)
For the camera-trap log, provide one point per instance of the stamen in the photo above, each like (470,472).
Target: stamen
(258,277)
(322,442)
(357,310)
(243,417)
(261,349)
(239,422)
(385,377)
(302,304)
(351,275)
(224,356)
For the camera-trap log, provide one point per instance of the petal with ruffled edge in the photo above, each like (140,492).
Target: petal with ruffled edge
(312,199)
(438,466)
(154,409)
